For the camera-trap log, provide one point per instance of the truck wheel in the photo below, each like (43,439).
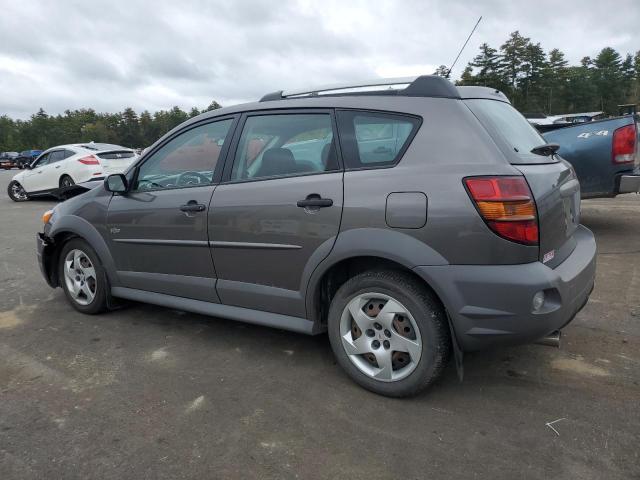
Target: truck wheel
(16,192)
(389,333)
(82,277)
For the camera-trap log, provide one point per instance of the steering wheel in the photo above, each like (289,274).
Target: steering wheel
(186,178)
(146,184)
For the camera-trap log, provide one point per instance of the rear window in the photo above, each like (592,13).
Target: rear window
(116,155)
(372,139)
(513,133)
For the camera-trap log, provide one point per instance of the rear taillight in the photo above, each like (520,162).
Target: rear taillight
(507,206)
(89,160)
(624,145)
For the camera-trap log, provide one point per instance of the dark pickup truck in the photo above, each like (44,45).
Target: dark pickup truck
(604,154)
(8,160)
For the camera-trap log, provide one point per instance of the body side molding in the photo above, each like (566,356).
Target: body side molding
(175,243)
(268,246)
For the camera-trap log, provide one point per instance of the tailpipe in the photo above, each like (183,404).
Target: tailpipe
(551,340)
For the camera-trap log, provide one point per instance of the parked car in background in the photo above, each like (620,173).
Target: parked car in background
(409,218)
(603,153)
(26,157)
(8,160)
(61,167)
(545,123)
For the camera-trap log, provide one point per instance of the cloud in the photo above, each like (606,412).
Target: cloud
(155,54)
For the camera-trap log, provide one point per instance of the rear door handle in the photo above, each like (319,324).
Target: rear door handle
(315,201)
(193,206)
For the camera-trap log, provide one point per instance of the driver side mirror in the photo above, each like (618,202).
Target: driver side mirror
(116,183)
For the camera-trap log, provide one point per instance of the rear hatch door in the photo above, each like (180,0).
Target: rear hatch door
(553,182)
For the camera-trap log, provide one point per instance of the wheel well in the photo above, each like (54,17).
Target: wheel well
(58,241)
(342,271)
(61,177)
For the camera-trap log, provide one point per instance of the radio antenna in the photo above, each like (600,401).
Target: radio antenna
(465,44)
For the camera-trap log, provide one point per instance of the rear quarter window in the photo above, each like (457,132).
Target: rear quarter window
(372,139)
(510,130)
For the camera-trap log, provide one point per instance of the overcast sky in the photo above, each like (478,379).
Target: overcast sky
(152,55)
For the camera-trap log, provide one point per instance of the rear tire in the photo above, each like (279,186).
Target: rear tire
(82,277)
(66,181)
(400,343)
(16,192)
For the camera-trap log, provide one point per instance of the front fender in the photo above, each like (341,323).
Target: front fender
(78,226)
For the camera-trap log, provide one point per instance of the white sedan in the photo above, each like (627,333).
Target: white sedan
(61,167)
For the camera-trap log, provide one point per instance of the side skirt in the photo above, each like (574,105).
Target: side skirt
(268,319)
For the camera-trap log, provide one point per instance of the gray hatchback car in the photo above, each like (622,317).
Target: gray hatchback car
(410,219)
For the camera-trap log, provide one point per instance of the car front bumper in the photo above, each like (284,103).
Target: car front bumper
(44,249)
(491,305)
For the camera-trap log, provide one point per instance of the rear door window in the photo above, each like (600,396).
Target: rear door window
(56,156)
(282,145)
(511,131)
(371,139)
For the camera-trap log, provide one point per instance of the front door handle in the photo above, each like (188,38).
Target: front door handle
(193,206)
(315,201)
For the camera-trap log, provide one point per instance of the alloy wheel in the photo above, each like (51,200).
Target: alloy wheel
(67,182)
(18,192)
(80,277)
(380,337)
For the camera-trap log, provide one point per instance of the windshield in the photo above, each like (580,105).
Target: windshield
(510,130)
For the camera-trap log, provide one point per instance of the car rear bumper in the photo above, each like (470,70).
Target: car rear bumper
(629,184)
(491,305)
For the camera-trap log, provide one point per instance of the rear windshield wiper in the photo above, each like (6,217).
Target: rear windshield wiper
(546,150)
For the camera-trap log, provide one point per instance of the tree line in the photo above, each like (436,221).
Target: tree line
(539,81)
(126,128)
(534,81)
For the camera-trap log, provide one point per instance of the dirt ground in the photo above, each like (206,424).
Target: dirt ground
(147,392)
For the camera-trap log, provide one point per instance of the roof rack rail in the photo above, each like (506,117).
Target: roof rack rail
(422,86)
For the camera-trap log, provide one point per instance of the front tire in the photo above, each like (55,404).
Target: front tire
(389,333)
(16,192)
(82,277)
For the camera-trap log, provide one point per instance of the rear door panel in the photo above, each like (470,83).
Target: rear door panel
(264,245)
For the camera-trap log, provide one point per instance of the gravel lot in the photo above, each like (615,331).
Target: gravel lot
(146,392)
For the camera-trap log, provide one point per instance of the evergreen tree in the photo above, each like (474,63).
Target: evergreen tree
(512,56)
(608,78)
(554,80)
(488,63)
(212,106)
